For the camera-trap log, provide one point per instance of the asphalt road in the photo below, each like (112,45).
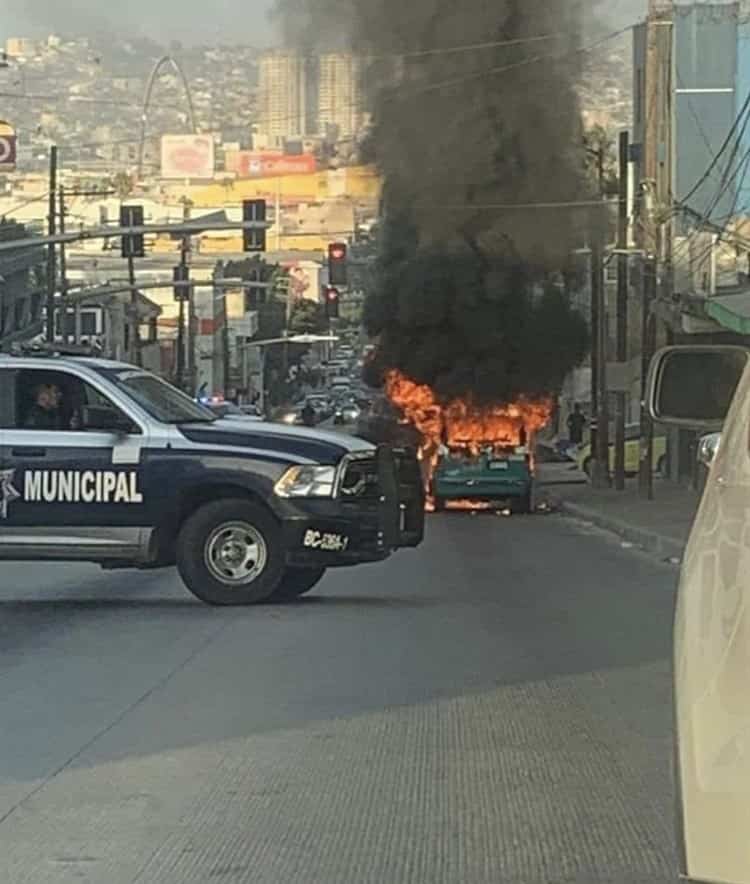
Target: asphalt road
(493,708)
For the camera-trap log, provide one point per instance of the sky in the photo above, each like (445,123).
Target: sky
(190,21)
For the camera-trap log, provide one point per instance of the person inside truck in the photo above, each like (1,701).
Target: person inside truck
(46,410)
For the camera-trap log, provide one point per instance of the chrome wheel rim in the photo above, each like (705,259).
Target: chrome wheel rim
(236,553)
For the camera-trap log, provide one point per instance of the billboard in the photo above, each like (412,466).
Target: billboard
(187,156)
(8,147)
(260,164)
(304,280)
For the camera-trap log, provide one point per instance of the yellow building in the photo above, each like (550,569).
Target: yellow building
(360,183)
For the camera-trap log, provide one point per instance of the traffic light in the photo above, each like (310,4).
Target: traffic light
(181,273)
(331,296)
(254,240)
(337,270)
(132,246)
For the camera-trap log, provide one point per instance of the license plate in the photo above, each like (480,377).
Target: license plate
(325,541)
(499,465)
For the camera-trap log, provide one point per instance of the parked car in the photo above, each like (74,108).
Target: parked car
(502,477)
(632,453)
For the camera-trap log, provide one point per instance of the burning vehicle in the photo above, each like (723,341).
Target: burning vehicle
(498,476)
(472,457)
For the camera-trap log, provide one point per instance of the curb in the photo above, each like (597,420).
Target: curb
(655,544)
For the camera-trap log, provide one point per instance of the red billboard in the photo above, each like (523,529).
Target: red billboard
(254,164)
(7,147)
(187,156)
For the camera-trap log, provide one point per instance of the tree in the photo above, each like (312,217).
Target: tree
(601,160)
(123,184)
(307,318)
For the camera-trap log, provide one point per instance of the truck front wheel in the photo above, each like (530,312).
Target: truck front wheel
(230,552)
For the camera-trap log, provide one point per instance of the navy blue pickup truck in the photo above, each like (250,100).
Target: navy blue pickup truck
(104,462)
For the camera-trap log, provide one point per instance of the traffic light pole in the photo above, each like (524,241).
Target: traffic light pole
(135,326)
(51,257)
(63,274)
(646,473)
(180,368)
(622,309)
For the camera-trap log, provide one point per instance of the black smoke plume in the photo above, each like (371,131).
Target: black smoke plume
(470,296)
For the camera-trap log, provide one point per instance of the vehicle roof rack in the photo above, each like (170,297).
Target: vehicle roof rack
(50,349)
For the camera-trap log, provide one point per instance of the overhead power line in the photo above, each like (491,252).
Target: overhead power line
(725,144)
(502,207)
(23,203)
(466,47)
(536,59)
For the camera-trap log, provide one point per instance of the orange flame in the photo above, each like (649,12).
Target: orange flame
(460,424)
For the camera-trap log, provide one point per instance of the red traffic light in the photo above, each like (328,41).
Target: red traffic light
(337,251)
(332,294)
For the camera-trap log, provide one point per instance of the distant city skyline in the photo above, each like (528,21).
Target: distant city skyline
(189,21)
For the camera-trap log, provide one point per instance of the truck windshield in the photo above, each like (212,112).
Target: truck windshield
(161,400)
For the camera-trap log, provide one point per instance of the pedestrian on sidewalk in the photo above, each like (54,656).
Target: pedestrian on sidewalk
(576,425)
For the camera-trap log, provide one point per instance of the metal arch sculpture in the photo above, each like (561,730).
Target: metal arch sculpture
(162,62)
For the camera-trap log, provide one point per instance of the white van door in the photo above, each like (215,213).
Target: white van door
(712,622)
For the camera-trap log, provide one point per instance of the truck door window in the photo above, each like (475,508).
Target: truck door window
(54,400)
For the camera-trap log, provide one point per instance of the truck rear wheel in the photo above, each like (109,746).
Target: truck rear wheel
(296,582)
(229,552)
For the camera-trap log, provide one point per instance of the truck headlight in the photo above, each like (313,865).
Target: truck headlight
(307,481)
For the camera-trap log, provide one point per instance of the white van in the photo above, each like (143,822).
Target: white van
(708,388)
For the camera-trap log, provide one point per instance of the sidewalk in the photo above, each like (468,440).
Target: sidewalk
(660,526)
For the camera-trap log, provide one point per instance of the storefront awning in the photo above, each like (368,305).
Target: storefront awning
(732,312)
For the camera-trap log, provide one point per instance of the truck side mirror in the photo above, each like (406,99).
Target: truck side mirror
(693,386)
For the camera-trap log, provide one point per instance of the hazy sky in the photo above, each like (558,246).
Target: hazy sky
(192,21)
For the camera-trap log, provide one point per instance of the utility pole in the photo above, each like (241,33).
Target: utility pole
(657,174)
(594,321)
(51,262)
(600,444)
(63,274)
(221,319)
(622,308)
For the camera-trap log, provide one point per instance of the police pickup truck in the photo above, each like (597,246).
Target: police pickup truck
(104,462)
